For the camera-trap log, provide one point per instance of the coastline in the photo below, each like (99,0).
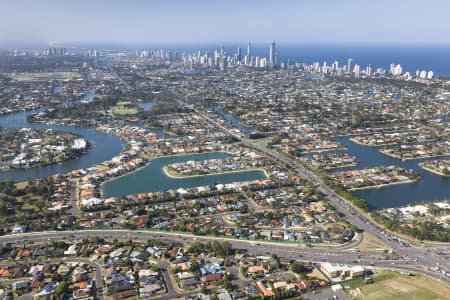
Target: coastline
(412,158)
(218,173)
(434,171)
(387,144)
(125,174)
(56,162)
(325,150)
(343,166)
(382,185)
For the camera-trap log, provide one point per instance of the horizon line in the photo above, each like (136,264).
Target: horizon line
(218,42)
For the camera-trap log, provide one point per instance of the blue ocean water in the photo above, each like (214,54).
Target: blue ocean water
(410,57)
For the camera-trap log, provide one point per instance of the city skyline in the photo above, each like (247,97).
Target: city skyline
(175,21)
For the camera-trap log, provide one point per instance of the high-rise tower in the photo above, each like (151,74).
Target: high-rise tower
(272,55)
(249,53)
(221,57)
(349,66)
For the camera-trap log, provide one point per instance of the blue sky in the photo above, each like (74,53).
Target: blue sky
(209,21)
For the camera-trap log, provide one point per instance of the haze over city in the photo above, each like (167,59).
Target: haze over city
(178,21)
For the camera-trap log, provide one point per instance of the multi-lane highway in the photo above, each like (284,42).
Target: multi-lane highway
(292,251)
(421,260)
(352,214)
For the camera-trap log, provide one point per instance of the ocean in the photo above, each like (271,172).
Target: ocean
(411,57)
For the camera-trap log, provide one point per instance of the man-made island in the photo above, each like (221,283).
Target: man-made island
(374,177)
(417,151)
(438,166)
(26,148)
(246,161)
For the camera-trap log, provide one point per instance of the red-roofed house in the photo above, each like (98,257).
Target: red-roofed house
(211,277)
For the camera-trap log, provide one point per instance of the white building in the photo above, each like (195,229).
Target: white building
(79,144)
(338,270)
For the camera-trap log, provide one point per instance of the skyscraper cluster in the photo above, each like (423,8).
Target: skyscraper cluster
(57,51)
(221,59)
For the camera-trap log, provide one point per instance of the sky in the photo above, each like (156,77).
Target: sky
(208,21)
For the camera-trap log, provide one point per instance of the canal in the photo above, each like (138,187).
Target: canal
(152,177)
(430,187)
(103,146)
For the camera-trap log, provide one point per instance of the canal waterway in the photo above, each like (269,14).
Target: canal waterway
(152,177)
(430,187)
(233,121)
(103,146)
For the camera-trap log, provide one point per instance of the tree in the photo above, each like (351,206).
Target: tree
(298,268)
(61,290)
(155,268)
(56,277)
(93,292)
(228,285)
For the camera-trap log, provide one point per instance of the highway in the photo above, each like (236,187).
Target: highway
(353,215)
(290,251)
(419,260)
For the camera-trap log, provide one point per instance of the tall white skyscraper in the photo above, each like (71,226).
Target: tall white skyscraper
(272,55)
(356,70)
(397,70)
(335,66)
(249,53)
(369,71)
(349,65)
(222,56)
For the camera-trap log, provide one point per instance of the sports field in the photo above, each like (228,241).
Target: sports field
(393,285)
(45,76)
(125,108)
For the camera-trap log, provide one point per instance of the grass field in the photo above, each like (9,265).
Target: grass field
(316,274)
(44,76)
(124,109)
(393,285)
(370,244)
